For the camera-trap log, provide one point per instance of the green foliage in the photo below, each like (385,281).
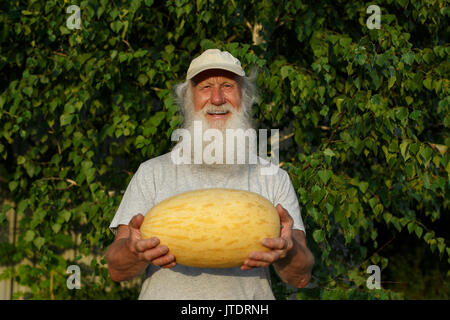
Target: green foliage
(416,271)
(81,109)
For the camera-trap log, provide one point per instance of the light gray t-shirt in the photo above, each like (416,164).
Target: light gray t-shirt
(158,179)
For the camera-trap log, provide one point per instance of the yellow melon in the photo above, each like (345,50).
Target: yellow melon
(212,228)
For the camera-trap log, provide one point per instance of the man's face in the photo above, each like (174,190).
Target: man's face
(216,94)
(214,101)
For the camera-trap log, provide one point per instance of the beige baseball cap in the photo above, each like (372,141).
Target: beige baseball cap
(214,59)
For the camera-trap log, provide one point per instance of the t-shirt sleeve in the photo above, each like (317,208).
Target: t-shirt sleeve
(138,198)
(287,197)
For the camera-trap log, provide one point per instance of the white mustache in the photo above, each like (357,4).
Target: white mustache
(210,108)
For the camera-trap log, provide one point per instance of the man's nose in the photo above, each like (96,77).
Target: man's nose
(217,97)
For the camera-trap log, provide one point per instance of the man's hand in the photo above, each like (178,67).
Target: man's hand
(148,250)
(279,246)
(129,254)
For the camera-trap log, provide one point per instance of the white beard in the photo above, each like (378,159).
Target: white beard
(236,120)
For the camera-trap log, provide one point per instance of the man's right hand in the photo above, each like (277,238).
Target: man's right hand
(148,250)
(129,254)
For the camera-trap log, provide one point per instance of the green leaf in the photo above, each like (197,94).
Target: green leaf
(363,186)
(39,242)
(408,58)
(90,175)
(56,227)
(356,277)
(428,83)
(142,79)
(65,214)
(319,236)
(403,148)
(441,244)
(409,100)
(387,217)
(116,26)
(360,59)
(391,81)
(325,175)
(66,119)
(141,142)
(21,160)
(315,214)
(428,236)
(321,91)
(401,114)
(135,4)
(13,185)
(29,235)
(378,209)
(375,79)
(329,152)
(426,153)
(372,202)
(415,115)
(28,91)
(22,205)
(318,194)
(418,231)
(157,118)
(411,227)
(380,60)
(428,56)
(123,56)
(285,71)
(64,30)
(345,41)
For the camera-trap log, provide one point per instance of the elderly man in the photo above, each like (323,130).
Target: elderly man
(218,95)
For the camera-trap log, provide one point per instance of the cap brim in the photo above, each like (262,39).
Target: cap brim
(232,68)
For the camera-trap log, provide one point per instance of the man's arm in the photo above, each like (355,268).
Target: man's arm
(129,254)
(291,258)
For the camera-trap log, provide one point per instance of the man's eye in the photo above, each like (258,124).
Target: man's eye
(227,85)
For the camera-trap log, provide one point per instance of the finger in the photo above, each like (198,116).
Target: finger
(136,221)
(265,257)
(287,223)
(152,254)
(164,261)
(276,243)
(170,265)
(246,267)
(285,218)
(251,263)
(146,244)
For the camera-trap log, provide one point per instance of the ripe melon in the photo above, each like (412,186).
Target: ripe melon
(212,228)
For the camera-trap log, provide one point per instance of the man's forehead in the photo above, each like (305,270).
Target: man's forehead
(210,74)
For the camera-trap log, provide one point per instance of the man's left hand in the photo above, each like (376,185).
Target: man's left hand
(279,246)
